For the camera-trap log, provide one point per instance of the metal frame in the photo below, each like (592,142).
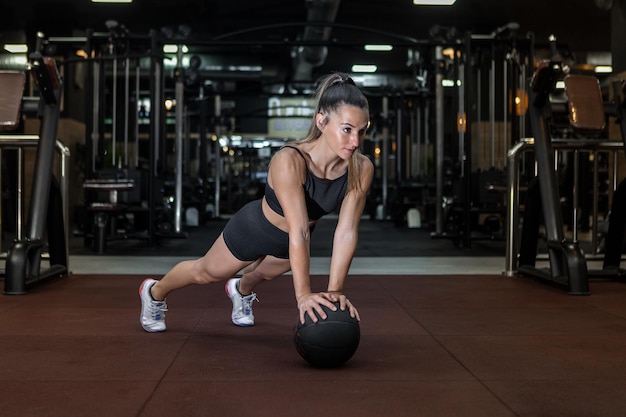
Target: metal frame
(513,185)
(20,142)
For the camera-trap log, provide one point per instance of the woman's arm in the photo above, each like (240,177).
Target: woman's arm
(346,233)
(287,174)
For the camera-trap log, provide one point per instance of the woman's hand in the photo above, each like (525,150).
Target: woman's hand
(312,303)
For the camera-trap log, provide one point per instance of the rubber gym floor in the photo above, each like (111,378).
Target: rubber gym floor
(443,333)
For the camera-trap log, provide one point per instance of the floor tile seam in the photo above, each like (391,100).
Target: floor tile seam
(607,334)
(480,381)
(604,336)
(160,380)
(96,380)
(139,335)
(443,380)
(605,311)
(428,332)
(534,310)
(546,307)
(391,295)
(551,381)
(298,379)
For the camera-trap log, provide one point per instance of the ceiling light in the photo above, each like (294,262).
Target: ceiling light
(364,68)
(16,48)
(450,83)
(170,48)
(434,2)
(111,1)
(603,69)
(378,48)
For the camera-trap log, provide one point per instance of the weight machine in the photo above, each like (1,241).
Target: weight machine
(46,213)
(470,206)
(587,114)
(135,163)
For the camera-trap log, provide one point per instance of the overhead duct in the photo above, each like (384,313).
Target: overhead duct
(307,57)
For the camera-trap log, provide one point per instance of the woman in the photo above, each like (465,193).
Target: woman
(271,236)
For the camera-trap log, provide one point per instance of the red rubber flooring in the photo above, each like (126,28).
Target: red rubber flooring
(431,346)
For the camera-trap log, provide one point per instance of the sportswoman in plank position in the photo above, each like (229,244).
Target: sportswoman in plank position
(268,237)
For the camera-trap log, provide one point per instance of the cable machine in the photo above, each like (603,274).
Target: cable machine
(136,172)
(470,206)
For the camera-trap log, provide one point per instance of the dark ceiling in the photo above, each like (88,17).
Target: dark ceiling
(581,23)
(265,31)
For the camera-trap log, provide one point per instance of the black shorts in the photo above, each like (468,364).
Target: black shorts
(249,235)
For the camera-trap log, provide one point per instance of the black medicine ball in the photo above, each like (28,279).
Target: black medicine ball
(328,343)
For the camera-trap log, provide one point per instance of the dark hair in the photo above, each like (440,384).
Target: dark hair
(334,90)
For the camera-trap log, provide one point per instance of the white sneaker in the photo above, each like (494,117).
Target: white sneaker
(242,305)
(152,316)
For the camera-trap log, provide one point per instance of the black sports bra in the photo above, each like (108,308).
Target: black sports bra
(322,196)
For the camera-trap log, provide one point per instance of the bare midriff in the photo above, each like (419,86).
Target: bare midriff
(276,219)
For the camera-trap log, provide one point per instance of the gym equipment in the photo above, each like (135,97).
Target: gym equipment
(567,262)
(138,143)
(23,265)
(614,239)
(120,182)
(591,107)
(328,343)
(469,201)
(586,114)
(516,206)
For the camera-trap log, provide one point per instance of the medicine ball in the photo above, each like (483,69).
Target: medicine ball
(328,343)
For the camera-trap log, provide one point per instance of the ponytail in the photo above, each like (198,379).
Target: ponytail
(333,91)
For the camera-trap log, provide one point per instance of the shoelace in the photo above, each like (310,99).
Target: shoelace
(247,302)
(158,309)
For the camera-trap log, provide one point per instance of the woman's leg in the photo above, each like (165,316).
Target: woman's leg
(264,269)
(241,290)
(217,264)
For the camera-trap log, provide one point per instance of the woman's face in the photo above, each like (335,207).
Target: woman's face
(344,129)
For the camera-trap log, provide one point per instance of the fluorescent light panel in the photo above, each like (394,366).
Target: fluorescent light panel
(16,48)
(450,83)
(111,1)
(434,2)
(173,48)
(364,68)
(603,69)
(378,48)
